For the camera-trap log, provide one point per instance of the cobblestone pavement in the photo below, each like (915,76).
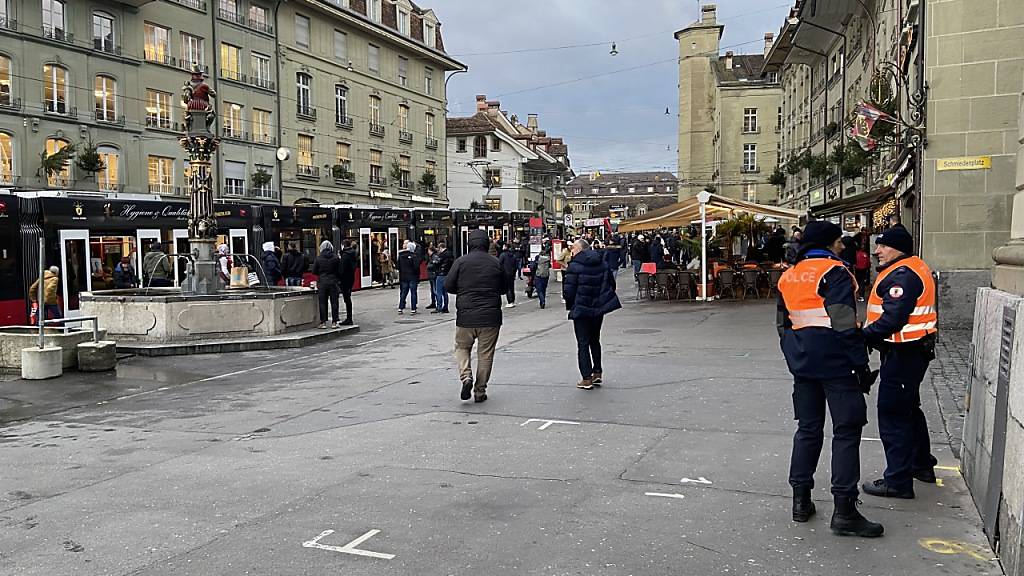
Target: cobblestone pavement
(948,375)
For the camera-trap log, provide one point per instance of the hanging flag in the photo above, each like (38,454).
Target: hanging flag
(865,116)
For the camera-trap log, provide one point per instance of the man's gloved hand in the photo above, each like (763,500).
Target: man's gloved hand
(866,378)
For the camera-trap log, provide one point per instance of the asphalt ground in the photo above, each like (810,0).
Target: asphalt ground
(357,457)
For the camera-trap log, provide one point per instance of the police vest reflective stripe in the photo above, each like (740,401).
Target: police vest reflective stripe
(923,317)
(799,289)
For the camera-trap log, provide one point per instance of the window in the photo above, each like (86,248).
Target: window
(259,18)
(260,71)
(375,10)
(340,104)
(55,89)
(614,190)
(403,117)
(265,190)
(480,147)
(403,22)
(750,194)
(750,157)
(103,32)
(429,128)
(750,119)
(302,31)
(650,189)
(778,125)
(428,81)
(305,150)
(234,178)
(6,158)
(403,70)
(62,178)
(405,172)
(493,203)
(460,145)
(158,109)
(631,189)
(343,151)
(376,167)
(157,43)
(5,81)
(495,144)
(595,190)
(230,57)
(229,9)
(303,83)
(492,178)
(161,175)
(232,120)
(373,59)
(54,25)
(106,95)
(428,34)
(193,53)
(108,177)
(341,47)
(375,110)
(261,126)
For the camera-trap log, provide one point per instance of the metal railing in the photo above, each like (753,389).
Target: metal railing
(376,130)
(306,112)
(343,122)
(431,143)
(75,320)
(405,136)
(307,171)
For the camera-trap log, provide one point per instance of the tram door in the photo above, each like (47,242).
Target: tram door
(143,239)
(76,269)
(393,245)
(239,241)
(180,262)
(464,240)
(365,258)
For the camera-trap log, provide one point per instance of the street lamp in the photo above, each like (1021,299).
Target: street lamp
(703,196)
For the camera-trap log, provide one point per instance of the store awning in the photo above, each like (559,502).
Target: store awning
(685,212)
(854,204)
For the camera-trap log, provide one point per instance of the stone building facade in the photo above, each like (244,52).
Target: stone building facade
(628,194)
(108,74)
(728,116)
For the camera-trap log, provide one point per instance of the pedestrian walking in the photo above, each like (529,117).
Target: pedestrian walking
(862,265)
(541,274)
(825,352)
(327,269)
(50,306)
(408,276)
(431,277)
(349,262)
(589,293)
(442,260)
(507,260)
(639,253)
(271,265)
(901,325)
(293,265)
(478,282)
(612,255)
(156,268)
(124,274)
(387,266)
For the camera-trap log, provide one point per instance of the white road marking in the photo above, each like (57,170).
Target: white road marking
(547,423)
(349,548)
(663,495)
(699,480)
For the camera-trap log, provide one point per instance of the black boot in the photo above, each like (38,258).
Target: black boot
(847,521)
(803,507)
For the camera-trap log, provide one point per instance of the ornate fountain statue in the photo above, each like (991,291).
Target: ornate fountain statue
(201,143)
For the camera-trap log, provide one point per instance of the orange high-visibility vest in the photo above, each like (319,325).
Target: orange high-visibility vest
(799,288)
(923,318)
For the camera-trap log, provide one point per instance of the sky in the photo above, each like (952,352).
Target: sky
(614,120)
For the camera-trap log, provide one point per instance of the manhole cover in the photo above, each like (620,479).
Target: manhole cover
(408,321)
(641,331)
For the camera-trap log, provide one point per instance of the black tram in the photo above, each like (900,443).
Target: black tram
(373,229)
(497,225)
(431,226)
(13,270)
(302,228)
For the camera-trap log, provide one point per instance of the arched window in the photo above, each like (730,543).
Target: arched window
(108,178)
(55,89)
(5,81)
(6,158)
(480,147)
(106,98)
(62,178)
(103,32)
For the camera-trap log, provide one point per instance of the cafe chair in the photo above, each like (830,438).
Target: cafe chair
(643,285)
(663,284)
(726,283)
(774,275)
(750,283)
(683,281)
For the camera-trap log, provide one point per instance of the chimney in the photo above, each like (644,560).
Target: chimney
(707,14)
(481,103)
(728,60)
(531,122)
(769,39)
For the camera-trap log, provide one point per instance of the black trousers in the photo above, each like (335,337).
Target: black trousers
(849,415)
(588,344)
(327,292)
(510,288)
(901,423)
(346,293)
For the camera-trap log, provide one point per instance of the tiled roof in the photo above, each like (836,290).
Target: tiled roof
(475,124)
(625,178)
(745,67)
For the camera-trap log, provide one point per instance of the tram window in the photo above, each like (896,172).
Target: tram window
(105,253)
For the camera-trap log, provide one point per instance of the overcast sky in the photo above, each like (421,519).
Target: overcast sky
(615,122)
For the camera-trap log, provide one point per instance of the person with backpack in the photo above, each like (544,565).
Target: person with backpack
(541,270)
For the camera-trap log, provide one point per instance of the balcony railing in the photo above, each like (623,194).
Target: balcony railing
(377,181)
(343,122)
(376,130)
(429,189)
(306,112)
(264,27)
(8,103)
(265,83)
(405,137)
(157,58)
(60,108)
(264,191)
(193,4)
(107,117)
(59,34)
(234,189)
(750,169)
(231,16)
(8,23)
(431,143)
(229,74)
(749,130)
(347,178)
(106,46)
(189,66)
(405,183)
(307,171)
(165,189)
(162,123)
(232,134)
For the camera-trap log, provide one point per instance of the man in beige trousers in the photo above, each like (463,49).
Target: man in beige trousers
(478,283)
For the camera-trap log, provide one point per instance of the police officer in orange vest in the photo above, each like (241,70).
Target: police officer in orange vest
(901,325)
(825,352)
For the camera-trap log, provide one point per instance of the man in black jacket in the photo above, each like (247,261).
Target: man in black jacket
(327,269)
(293,266)
(441,261)
(478,283)
(507,261)
(408,275)
(589,294)
(349,262)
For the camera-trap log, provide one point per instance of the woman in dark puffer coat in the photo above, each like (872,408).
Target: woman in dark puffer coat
(589,292)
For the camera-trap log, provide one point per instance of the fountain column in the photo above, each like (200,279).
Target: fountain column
(200,143)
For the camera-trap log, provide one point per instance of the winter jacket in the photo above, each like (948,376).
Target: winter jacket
(408,266)
(507,260)
(124,276)
(156,266)
(639,251)
(271,267)
(442,262)
(589,287)
(478,282)
(349,263)
(50,282)
(327,268)
(294,264)
(657,252)
(613,256)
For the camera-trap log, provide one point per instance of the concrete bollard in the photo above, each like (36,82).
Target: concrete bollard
(97,356)
(41,363)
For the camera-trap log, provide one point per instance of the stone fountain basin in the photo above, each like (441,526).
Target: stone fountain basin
(14,338)
(162,315)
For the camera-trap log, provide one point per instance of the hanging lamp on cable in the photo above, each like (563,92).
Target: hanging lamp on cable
(614,51)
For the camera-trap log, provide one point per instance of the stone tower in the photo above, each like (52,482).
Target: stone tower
(698,45)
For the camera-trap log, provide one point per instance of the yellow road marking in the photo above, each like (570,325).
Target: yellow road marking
(940,546)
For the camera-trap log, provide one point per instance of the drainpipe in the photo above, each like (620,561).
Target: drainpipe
(922,85)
